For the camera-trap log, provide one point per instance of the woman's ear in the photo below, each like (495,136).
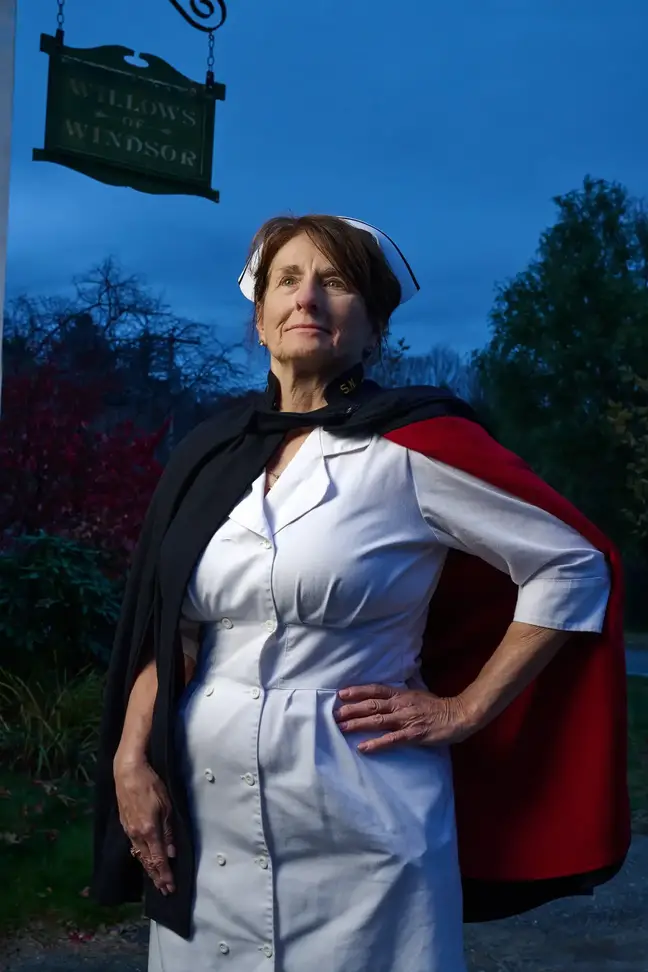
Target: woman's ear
(260,328)
(370,353)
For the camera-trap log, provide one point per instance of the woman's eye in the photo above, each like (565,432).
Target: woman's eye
(336,283)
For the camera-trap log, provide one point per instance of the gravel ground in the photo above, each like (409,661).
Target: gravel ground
(607,933)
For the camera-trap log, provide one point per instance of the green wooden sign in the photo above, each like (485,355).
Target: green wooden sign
(150,128)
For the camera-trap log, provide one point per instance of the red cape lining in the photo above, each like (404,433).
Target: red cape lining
(542,791)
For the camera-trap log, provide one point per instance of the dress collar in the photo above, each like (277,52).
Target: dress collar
(342,389)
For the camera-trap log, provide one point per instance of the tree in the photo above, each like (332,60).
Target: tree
(386,370)
(161,365)
(630,426)
(563,331)
(441,366)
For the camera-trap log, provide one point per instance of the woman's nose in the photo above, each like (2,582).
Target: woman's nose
(308,294)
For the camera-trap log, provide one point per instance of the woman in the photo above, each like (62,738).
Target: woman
(288,790)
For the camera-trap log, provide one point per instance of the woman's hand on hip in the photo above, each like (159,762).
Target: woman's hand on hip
(145,815)
(403,716)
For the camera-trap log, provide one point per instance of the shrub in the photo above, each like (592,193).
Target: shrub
(60,473)
(58,608)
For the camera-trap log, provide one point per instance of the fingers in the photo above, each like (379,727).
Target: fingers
(167,836)
(375,714)
(370,708)
(360,693)
(156,864)
(152,844)
(145,814)
(391,719)
(407,735)
(400,716)
(158,870)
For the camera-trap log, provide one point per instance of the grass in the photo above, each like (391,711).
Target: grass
(49,728)
(45,840)
(45,857)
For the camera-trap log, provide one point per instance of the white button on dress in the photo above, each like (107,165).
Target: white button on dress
(350,859)
(227,623)
(209,776)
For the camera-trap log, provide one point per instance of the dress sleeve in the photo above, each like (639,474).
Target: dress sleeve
(563,581)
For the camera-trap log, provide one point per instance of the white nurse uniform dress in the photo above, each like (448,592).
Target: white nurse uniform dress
(311,855)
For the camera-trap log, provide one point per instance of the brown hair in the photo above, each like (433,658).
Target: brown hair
(353,252)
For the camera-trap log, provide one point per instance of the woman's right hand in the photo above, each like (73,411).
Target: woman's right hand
(145,815)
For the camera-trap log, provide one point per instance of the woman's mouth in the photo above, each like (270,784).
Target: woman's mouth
(308,327)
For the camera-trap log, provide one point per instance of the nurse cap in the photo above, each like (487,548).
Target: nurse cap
(393,255)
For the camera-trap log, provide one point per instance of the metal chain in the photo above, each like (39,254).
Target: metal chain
(210,58)
(60,20)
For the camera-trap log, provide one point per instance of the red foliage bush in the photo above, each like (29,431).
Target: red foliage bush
(61,475)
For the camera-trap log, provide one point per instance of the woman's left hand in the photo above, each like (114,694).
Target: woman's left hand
(404,716)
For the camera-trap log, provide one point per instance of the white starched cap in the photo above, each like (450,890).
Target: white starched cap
(392,253)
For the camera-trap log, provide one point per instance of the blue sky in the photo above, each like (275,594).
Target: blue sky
(449,123)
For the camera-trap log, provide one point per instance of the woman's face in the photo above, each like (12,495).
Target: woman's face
(309,316)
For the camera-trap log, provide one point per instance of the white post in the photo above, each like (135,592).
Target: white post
(7,51)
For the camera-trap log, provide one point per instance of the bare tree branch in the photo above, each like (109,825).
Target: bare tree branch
(441,366)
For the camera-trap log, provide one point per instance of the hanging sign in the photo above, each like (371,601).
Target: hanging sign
(150,128)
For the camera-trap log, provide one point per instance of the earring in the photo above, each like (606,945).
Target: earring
(261,343)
